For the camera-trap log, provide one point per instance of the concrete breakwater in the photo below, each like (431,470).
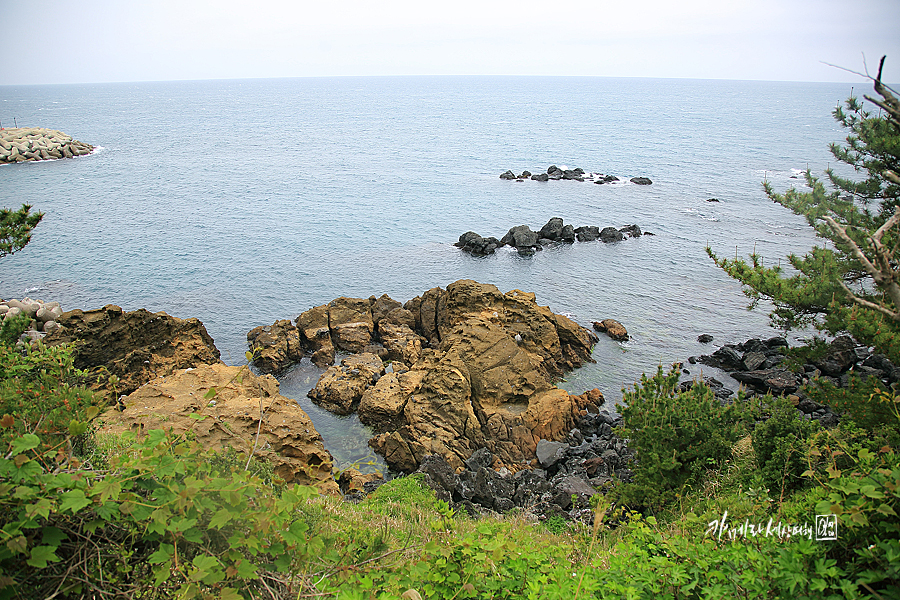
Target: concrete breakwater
(36,143)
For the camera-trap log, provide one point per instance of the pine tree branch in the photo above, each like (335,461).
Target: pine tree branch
(871,305)
(884,275)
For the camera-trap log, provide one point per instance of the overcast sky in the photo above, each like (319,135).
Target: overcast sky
(131,40)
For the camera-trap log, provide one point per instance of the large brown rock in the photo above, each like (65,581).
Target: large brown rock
(287,437)
(341,387)
(613,329)
(275,347)
(487,384)
(136,346)
(316,335)
(351,323)
(401,342)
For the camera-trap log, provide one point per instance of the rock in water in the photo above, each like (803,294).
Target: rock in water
(479,388)
(613,329)
(136,346)
(287,437)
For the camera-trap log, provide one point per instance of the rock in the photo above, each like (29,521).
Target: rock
(553,229)
(567,234)
(570,486)
(287,437)
(401,342)
(316,335)
(540,177)
(509,175)
(475,244)
(630,231)
(382,306)
(640,181)
(275,347)
(340,388)
(611,234)
(753,361)
(440,477)
(777,381)
(137,346)
(351,323)
(479,388)
(587,234)
(351,480)
(549,453)
(525,175)
(519,237)
(712,199)
(490,489)
(382,404)
(480,459)
(553,170)
(613,329)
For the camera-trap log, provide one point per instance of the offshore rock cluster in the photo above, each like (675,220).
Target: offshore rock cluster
(36,143)
(526,241)
(555,173)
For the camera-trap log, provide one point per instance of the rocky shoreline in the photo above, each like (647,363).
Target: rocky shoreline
(25,144)
(457,385)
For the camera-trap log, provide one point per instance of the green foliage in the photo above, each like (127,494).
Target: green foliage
(866,400)
(11,328)
(15,228)
(848,286)
(780,443)
(170,523)
(677,436)
(40,394)
(866,499)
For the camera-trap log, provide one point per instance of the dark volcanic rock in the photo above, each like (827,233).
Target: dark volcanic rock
(631,231)
(520,236)
(589,233)
(475,244)
(540,177)
(508,175)
(777,381)
(641,181)
(611,234)
(553,229)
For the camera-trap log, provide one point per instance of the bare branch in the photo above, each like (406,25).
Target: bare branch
(854,249)
(871,305)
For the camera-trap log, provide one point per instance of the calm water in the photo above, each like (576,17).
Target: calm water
(243,202)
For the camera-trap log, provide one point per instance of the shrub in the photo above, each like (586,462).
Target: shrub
(780,444)
(676,435)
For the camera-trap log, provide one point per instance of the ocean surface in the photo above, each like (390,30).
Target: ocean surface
(242,202)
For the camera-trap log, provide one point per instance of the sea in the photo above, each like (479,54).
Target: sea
(241,202)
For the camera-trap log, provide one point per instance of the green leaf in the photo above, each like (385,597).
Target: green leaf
(41,556)
(92,412)
(162,554)
(17,544)
(220,518)
(76,428)
(73,501)
(52,536)
(230,594)
(886,509)
(211,393)
(27,442)
(197,417)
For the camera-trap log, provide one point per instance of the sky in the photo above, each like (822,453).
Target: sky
(92,41)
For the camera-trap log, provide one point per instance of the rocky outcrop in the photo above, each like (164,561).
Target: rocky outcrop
(36,143)
(287,437)
(526,241)
(341,387)
(275,347)
(613,329)
(759,365)
(567,474)
(555,173)
(470,367)
(476,245)
(136,346)
(486,384)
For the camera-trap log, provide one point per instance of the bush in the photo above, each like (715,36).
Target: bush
(677,436)
(780,443)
